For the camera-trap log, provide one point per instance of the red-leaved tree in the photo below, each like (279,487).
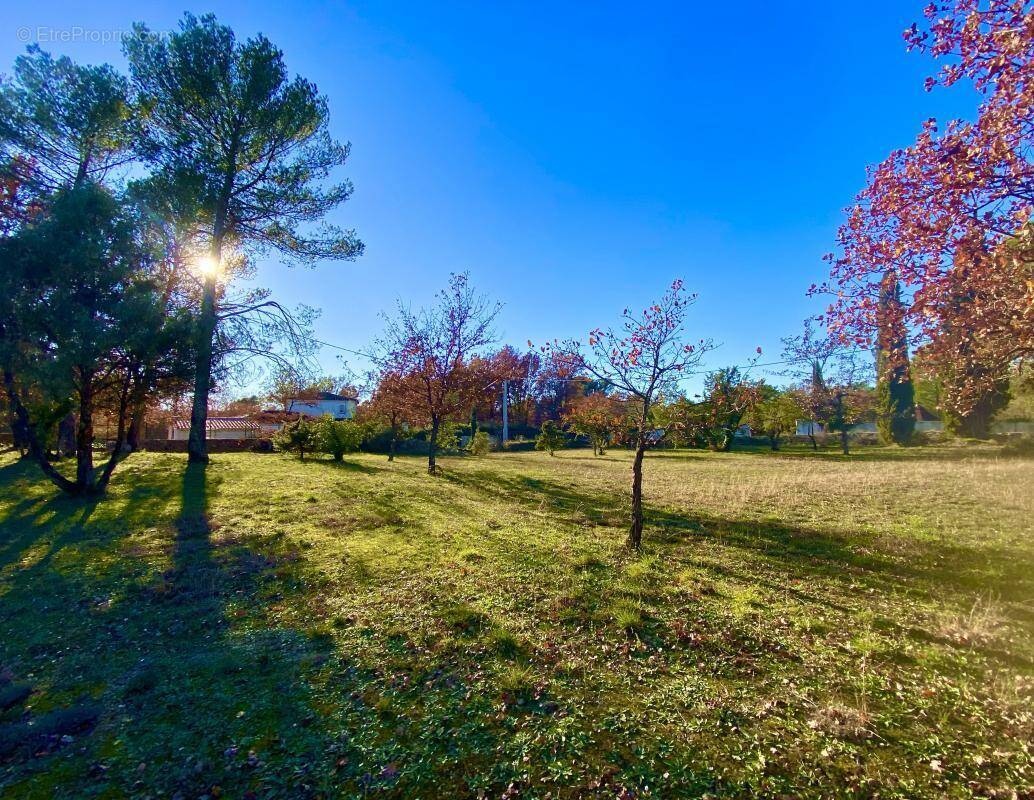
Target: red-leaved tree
(950,215)
(390,404)
(642,359)
(436,354)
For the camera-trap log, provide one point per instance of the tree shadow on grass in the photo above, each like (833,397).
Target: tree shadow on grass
(835,575)
(186,643)
(859,453)
(795,550)
(64,518)
(178,688)
(344,465)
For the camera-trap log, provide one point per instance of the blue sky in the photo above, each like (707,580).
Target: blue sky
(575,160)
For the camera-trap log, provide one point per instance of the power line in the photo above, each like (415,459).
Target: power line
(705,371)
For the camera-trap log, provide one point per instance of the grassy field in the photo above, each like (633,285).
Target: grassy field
(798,625)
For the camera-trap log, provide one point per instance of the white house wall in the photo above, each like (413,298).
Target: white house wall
(339,409)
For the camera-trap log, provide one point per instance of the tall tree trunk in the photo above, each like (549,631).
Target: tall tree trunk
(773,440)
(66,436)
(197,448)
(844,444)
(136,425)
(19,437)
(635,532)
(392,444)
(84,434)
(118,451)
(432,446)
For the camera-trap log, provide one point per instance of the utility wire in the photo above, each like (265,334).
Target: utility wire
(706,371)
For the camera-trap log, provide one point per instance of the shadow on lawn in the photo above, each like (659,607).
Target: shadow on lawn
(796,551)
(162,636)
(176,687)
(63,517)
(859,453)
(789,554)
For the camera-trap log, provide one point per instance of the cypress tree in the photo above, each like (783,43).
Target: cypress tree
(895,393)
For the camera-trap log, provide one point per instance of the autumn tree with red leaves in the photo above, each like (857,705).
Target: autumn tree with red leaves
(390,405)
(950,215)
(437,352)
(599,416)
(643,359)
(520,371)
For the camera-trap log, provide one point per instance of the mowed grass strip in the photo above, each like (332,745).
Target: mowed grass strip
(798,624)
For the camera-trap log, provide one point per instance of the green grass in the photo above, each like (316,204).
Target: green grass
(798,625)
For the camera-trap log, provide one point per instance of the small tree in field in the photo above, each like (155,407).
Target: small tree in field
(643,360)
(435,351)
(849,403)
(299,436)
(835,379)
(480,444)
(729,395)
(597,416)
(337,437)
(389,406)
(775,414)
(551,438)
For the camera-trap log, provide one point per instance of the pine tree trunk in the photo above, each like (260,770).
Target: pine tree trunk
(136,426)
(22,426)
(66,436)
(84,435)
(197,448)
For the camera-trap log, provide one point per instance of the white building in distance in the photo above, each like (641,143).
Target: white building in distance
(339,406)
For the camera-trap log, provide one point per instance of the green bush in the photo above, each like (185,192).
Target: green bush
(298,436)
(551,438)
(479,445)
(337,437)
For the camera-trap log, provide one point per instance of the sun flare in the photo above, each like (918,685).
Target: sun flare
(206,266)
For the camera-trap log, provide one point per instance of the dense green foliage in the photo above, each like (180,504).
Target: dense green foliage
(975,421)
(895,411)
(83,325)
(775,414)
(300,436)
(338,437)
(551,438)
(895,392)
(479,444)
